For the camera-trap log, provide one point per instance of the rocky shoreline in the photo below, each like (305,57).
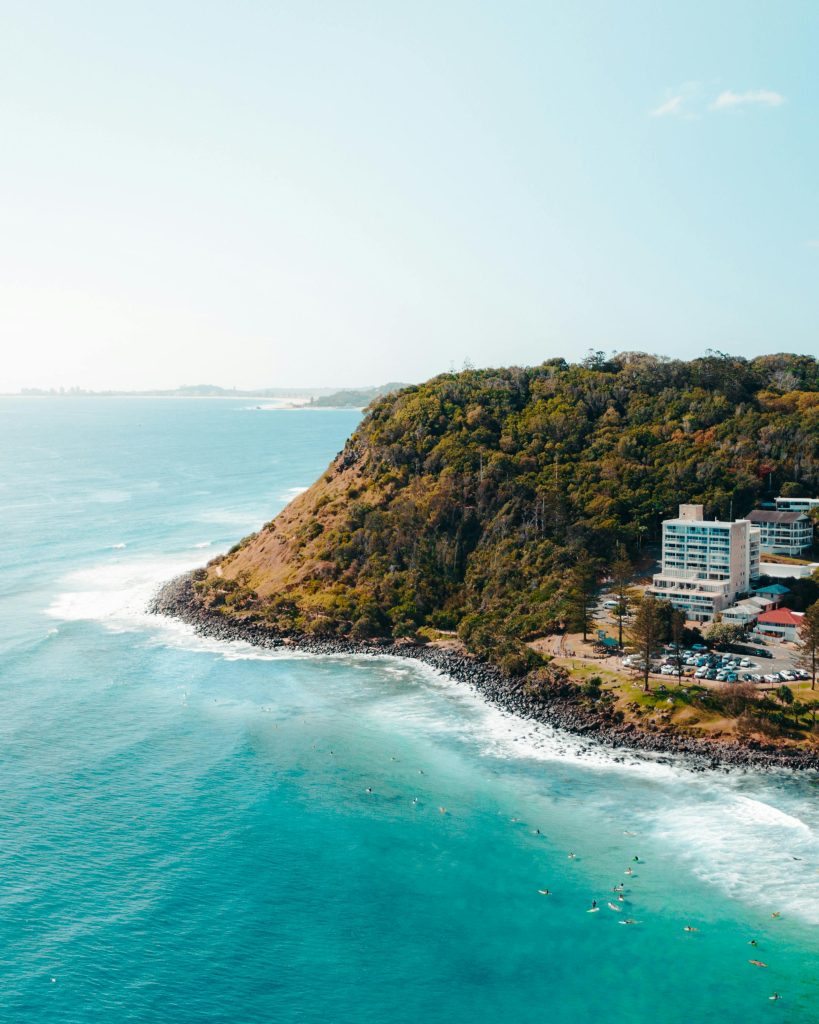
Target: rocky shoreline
(559,708)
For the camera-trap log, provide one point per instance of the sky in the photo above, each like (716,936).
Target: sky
(337,194)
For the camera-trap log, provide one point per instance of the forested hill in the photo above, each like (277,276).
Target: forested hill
(462,503)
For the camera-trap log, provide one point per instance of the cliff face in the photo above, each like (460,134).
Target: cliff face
(462,503)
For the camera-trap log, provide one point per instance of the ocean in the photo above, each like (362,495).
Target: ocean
(195,831)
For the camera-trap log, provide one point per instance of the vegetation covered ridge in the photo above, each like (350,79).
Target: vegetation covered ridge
(474,502)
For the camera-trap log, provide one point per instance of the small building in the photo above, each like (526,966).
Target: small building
(774,592)
(782,533)
(746,612)
(781,623)
(796,504)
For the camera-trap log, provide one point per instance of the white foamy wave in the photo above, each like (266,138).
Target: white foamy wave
(118,547)
(503,735)
(203,544)
(116,594)
(291,493)
(752,851)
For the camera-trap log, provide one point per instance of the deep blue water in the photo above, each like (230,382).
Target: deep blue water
(185,829)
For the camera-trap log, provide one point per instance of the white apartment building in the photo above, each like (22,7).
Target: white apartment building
(783,533)
(796,504)
(706,564)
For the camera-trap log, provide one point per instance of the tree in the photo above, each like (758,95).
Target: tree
(807,641)
(622,592)
(646,632)
(581,594)
(677,633)
(721,633)
(785,694)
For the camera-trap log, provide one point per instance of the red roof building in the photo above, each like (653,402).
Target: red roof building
(781,622)
(781,617)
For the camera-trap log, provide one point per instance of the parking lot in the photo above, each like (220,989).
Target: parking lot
(763,661)
(766,668)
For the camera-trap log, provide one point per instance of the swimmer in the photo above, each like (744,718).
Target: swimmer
(776,913)
(572,856)
(688,928)
(368,790)
(629,871)
(775,996)
(545,892)
(753,943)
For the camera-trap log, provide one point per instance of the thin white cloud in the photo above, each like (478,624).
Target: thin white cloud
(671,108)
(729,99)
(678,101)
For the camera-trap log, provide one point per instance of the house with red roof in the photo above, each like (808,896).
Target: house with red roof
(781,623)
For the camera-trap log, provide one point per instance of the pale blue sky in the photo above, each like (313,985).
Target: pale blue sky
(339,193)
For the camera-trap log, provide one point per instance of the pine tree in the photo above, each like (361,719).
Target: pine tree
(622,592)
(581,594)
(646,632)
(677,631)
(807,641)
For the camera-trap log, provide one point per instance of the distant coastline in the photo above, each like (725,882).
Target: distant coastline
(290,398)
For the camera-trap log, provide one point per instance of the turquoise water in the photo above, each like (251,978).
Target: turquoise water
(186,832)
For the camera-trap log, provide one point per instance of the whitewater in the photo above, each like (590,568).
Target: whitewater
(197,830)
